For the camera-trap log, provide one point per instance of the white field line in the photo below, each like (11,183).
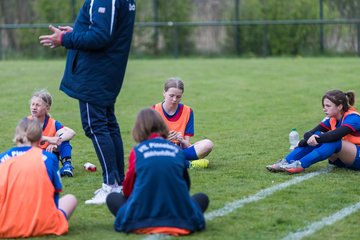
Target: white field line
(230,207)
(312,228)
(157,237)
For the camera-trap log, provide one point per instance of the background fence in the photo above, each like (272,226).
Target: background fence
(199,27)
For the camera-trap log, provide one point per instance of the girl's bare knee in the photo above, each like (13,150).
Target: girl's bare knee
(208,145)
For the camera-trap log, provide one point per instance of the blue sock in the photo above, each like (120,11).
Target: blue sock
(324,151)
(65,150)
(190,153)
(298,153)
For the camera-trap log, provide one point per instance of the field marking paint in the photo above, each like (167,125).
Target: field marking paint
(230,207)
(157,237)
(312,228)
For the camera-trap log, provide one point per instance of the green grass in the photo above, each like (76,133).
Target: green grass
(246,106)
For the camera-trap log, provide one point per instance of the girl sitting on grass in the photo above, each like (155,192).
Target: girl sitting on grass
(56,137)
(155,198)
(180,121)
(336,138)
(30,187)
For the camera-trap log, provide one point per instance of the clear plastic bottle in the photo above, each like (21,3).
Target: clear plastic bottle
(90,167)
(293,139)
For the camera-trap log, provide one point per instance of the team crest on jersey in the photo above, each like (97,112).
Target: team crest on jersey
(101,10)
(132,7)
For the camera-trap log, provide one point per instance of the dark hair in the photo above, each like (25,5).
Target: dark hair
(347,99)
(147,122)
(27,131)
(174,82)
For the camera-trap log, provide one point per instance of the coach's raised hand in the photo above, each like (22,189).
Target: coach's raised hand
(53,40)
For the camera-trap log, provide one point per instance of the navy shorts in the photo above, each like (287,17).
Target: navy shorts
(356,164)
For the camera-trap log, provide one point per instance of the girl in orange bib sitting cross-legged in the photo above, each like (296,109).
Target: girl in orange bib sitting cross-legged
(180,121)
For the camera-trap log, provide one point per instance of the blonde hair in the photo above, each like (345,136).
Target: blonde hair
(27,131)
(147,122)
(44,95)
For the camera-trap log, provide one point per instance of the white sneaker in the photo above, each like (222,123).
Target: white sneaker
(117,189)
(100,195)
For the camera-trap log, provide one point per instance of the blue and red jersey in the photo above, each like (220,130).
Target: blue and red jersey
(49,129)
(350,119)
(50,161)
(178,116)
(57,124)
(27,189)
(158,181)
(50,123)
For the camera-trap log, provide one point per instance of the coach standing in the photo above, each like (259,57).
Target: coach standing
(98,48)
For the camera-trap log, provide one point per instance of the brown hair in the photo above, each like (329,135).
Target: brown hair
(27,131)
(347,99)
(174,82)
(44,95)
(147,122)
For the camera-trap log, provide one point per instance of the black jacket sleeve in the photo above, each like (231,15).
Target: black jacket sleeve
(308,134)
(332,136)
(319,127)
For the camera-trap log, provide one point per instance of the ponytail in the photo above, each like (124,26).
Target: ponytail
(350,95)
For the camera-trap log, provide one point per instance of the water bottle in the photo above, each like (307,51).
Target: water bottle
(90,167)
(293,139)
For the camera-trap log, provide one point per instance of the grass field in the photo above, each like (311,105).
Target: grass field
(247,107)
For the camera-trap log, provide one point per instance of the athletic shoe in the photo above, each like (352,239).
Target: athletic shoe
(67,170)
(101,194)
(117,189)
(276,167)
(114,188)
(294,167)
(201,163)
